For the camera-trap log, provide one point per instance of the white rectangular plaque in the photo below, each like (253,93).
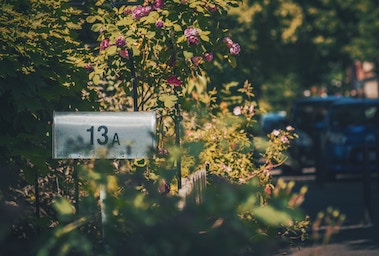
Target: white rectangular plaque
(110,135)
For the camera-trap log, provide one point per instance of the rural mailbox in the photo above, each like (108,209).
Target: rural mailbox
(111,135)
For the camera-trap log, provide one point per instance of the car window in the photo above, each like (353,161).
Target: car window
(354,114)
(372,114)
(309,114)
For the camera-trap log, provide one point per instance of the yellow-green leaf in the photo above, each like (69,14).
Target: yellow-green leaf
(232,61)
(168,100)
(111,28)
(91,19)
(63,207)
(96,79)
(187,55)
(177,28)
(204,37)
(112,50)
(96,27)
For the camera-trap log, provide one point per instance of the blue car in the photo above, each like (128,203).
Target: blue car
(349,137)
(307,116)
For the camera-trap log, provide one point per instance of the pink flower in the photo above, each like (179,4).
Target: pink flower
(208,56)
(124,53)
(212,8)
(191,32)
(284,139)
(290,128)
(88,67)
(120,41)
(173,80)
(192,36)
(251,109)
(193,40)
(127,11)
(162,152)
(237,111)
(228,41)
(235,49)
(158,4)
(268,190)
(275,132)
(196,60)
(159,24)
(141,11)
(104,44)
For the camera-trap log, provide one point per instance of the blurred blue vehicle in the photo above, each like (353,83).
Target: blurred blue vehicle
(273,120)
(307,116)
(349,136)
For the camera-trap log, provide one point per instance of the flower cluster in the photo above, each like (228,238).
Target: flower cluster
(249,110)
(197,60)
(284,136)
(234,48)
(141,11)
(162,152)
(191,35)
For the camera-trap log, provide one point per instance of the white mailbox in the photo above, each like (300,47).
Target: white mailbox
(111,135)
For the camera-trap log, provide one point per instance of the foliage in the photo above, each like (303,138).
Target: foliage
(37,77)
(159,54)
(138,219)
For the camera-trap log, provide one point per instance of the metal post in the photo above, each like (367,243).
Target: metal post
(134,80)
(377,158)
(36,191)
(177,142)
(366,186)
(76,184)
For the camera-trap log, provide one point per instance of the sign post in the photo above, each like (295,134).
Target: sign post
(107,135)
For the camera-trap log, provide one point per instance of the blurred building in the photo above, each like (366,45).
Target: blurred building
(365,80)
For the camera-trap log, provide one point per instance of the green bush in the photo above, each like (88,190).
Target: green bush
(152,57)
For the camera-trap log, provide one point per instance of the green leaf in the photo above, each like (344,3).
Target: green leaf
(168,100)
(63,207)
(112,50)
(111,28)
(96,27)
(150,34)
(91,19)
(126,21)
(204,38)
(232,61)
(96,79)
(187,55)
(271,216)
(177,28)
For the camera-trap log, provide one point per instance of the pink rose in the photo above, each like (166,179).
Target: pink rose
(208,56)
(159,24)
(173,80)
(124,53)
(104,44)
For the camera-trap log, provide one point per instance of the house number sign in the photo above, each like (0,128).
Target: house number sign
(110,135)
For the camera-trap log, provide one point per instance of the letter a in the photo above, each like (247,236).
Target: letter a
(115,139)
